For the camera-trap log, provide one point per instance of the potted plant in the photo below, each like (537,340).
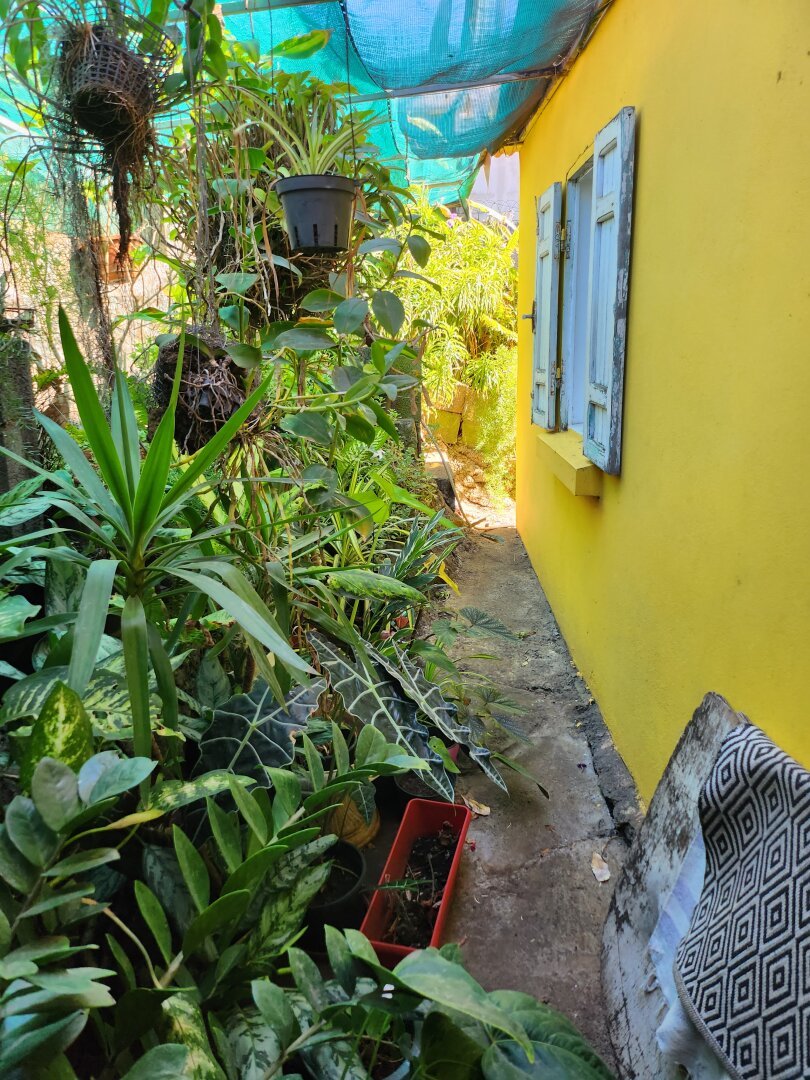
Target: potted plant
(409,907)
(314,145)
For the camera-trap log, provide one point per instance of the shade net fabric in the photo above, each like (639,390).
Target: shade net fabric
(435,48)
(449,79)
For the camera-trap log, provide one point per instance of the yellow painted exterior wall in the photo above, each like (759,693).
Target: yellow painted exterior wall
(691,572)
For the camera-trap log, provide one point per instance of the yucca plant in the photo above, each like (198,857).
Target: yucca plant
(136,531)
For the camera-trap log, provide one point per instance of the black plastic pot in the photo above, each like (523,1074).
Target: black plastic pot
(343,907)
(318,211)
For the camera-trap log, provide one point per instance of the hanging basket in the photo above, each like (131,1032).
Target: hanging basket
(318,211)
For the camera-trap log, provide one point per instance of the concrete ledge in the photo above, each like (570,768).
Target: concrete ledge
(562,451)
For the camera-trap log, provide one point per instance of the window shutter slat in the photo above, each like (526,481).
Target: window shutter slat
(547,290)
(608,290)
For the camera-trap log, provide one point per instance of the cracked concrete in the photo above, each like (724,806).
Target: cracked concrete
(528,910)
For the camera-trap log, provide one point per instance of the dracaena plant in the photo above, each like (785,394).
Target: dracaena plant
(132,524)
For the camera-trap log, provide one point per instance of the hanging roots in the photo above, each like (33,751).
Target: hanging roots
(210,388)
(111,94)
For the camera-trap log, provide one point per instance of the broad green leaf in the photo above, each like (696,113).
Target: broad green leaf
(57,899)
(165,1062)
(227,833)
(249,810)
(251,731)
(444,1046)
(419,248)
(28,832)
(321,300)
(81,862)
(15,611)
(55,790)
(44,1039)
(382,243)
(237,283)
(271,1001)
(213,685)
(61,732)
(304,339)
(482,622)
(309,425)
(119,776)
(244,356)
(250,873)
(225,911)
(193,869)
(314,764)
(340,958)
(155,918)
(350,315)
(15,869)
(388,311)
(375,700)
(556,1041)
(428,973)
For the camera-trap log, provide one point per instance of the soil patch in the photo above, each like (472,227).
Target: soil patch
(416,898)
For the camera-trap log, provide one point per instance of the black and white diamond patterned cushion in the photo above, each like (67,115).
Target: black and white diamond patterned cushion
(743,968)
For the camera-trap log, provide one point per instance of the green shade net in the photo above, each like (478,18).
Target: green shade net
(459,49)
(450,79)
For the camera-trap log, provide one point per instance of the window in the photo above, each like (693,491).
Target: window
(578,374)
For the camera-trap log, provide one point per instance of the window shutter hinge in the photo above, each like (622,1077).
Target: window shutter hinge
(567,239)
(559,233)
(558,371)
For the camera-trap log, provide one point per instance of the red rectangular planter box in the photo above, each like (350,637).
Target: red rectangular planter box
(422,817)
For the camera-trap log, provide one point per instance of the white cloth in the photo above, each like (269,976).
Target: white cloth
(677,1036)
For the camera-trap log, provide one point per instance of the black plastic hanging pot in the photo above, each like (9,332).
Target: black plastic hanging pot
(318,211)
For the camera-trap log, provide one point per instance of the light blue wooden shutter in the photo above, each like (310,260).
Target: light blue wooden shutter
(607,290)
(546,293)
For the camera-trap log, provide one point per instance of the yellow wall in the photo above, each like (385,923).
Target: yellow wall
(692,571)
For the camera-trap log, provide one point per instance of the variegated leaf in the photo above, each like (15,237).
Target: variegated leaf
(185,1025)
(255,1046)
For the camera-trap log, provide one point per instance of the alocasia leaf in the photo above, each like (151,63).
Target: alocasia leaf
(372,699)
(252,731)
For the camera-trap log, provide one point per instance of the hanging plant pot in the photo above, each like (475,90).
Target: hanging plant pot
(317,211)
(409,907)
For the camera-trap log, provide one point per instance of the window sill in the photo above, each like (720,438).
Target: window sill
(562,451)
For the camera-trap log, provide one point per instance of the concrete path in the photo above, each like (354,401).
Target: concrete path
(528,909)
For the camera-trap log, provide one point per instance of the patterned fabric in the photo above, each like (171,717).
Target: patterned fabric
(743,968)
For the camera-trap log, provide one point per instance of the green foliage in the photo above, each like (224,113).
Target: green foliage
(427,1014)
(474,338)
(46,866)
